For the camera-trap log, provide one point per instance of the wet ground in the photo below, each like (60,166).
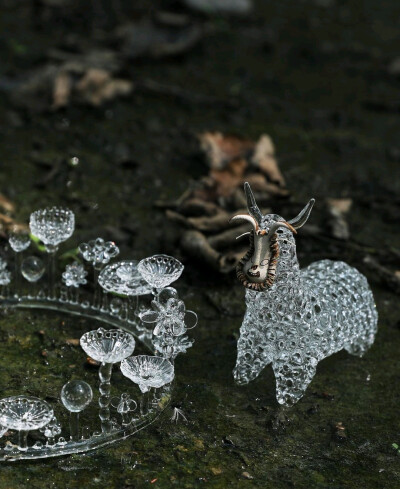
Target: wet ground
(312,74)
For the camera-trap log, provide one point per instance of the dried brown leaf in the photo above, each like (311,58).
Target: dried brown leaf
(221,149)
(6,204)
(264,159)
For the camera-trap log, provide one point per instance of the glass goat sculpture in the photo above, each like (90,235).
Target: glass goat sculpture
(294,317)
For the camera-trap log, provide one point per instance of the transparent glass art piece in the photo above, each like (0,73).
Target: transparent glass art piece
(52,226)
(98,252)
(114,298)
(294,317)
(74,275)
(108,346)
(24,414)
(124,278)
(160,270)
(148,371)
(169,314)
(19,241)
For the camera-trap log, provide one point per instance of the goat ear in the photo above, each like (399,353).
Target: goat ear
(303,216)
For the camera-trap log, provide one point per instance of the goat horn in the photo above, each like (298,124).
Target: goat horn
(241,236)
(252,206)
(303,216)
(245,217)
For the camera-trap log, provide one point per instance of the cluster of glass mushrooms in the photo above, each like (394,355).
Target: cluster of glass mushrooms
(123,280)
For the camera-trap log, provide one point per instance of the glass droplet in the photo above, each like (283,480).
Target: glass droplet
(76,395)
(32,268)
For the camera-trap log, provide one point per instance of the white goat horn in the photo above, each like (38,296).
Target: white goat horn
(245,217)
(241,236)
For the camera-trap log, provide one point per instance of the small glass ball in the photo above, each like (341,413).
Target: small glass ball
(76,395)
(32,268)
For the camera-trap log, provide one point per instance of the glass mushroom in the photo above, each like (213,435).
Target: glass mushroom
(123,278)
(19,242)
(147,372)
(160,270)
(24,414)
(107,347)
(98,252)
(52,225)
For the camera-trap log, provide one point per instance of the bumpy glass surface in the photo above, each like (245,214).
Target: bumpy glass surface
(304,317)
(19,241)
(52,225)
(110,346)
(5,275)
(74,275)
(24,413)
(124,278)
(160,270)
(148,371)
(98,252)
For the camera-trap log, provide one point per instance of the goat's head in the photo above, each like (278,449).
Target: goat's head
(256,270)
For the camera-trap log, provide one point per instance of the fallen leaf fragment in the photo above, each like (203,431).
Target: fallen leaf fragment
(216,470)
(6,204)
(246,475)
(73,342)
(337,210)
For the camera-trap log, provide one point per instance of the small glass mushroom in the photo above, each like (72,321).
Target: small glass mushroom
(51,430)
(98,252)
(123,278)
(52,225)
(160,270)
(125,405)
(5,278)
(32,269)
(24,414)
(76,396)
(19,242)
(74,276)
(107,347)
(147,372)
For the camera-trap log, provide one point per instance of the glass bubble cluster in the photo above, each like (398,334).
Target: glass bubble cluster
(98,252)
(74,275)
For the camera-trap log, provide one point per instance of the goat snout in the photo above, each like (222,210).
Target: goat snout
(254,271)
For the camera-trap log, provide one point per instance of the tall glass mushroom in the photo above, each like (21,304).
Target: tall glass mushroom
(107,347)
(52,225)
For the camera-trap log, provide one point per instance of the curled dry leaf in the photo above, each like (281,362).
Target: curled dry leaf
(337,223)
(207,206)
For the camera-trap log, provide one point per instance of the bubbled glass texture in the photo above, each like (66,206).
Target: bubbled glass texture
(304,317)
(52,225)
